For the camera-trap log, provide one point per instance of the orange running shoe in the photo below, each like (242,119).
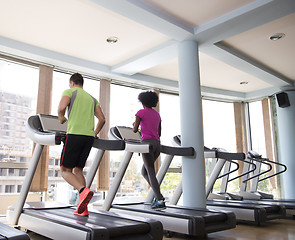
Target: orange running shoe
(84,214)
(84,198)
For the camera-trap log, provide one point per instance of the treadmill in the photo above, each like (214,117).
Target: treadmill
(10,233)
(256,197)
(56,220)
(188,221)
(246,212)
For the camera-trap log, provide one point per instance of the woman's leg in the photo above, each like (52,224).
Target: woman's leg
(148,161)
(145,174)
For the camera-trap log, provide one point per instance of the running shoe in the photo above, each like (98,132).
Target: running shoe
(84,198)
(159,205)
(84,214)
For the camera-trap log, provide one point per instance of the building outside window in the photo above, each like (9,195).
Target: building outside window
(18,98)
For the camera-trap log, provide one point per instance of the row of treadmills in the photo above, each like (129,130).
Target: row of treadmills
(134,220)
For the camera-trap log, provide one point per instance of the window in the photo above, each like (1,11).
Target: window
(170,115)
(122,112)
(11,172)
(18,98)
(219,125)
(258,145)
(257,127)
(9,189)
(219,132)
(3,172)
(50,173)
(22,172)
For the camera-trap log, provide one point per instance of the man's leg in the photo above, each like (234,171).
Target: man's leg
(71,178)
(77,180)
(79,174)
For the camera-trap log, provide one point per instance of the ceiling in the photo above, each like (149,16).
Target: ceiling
(233,39)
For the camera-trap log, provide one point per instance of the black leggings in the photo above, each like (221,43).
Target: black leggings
(148,168)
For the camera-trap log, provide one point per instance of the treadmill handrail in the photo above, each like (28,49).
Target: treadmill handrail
(178,151)
(274,174)
(276,163)
(104,144)
(261,173)
(228,156)
(228,173)
(245,173)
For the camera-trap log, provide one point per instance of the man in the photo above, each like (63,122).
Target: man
(82,108)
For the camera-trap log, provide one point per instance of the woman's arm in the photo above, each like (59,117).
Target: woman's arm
(160,129)
(136,123)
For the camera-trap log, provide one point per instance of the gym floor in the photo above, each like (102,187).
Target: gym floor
(282,229)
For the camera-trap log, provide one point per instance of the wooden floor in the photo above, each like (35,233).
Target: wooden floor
(283,229)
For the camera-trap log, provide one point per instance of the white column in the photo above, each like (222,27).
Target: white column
(286,132)
(193,168)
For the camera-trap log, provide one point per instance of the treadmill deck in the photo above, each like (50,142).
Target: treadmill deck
(194,222)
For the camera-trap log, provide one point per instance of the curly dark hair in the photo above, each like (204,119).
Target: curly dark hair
(148,99)
(77,79)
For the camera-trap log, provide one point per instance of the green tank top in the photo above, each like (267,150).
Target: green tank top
(80,111)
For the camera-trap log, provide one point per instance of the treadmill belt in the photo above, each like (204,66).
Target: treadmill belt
(116,225)
(179,212)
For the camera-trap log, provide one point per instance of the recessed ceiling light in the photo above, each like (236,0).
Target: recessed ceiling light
(277,36)
(244,83)
(112,39)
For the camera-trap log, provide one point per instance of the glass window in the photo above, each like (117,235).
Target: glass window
(219,132)
(123,109)
(18,90)
(18,98)
(11,172)
(122,112)
(3,172)
(258,145)
(9,189)
(50,173)
(219,125)
(257,127)
(22,172)
(170,114)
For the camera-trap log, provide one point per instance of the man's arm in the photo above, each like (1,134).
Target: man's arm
(101,120)
(64,102)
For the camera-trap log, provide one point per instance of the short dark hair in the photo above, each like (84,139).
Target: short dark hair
(149,99)
(77,79)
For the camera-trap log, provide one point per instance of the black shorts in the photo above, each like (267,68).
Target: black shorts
(76,150)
